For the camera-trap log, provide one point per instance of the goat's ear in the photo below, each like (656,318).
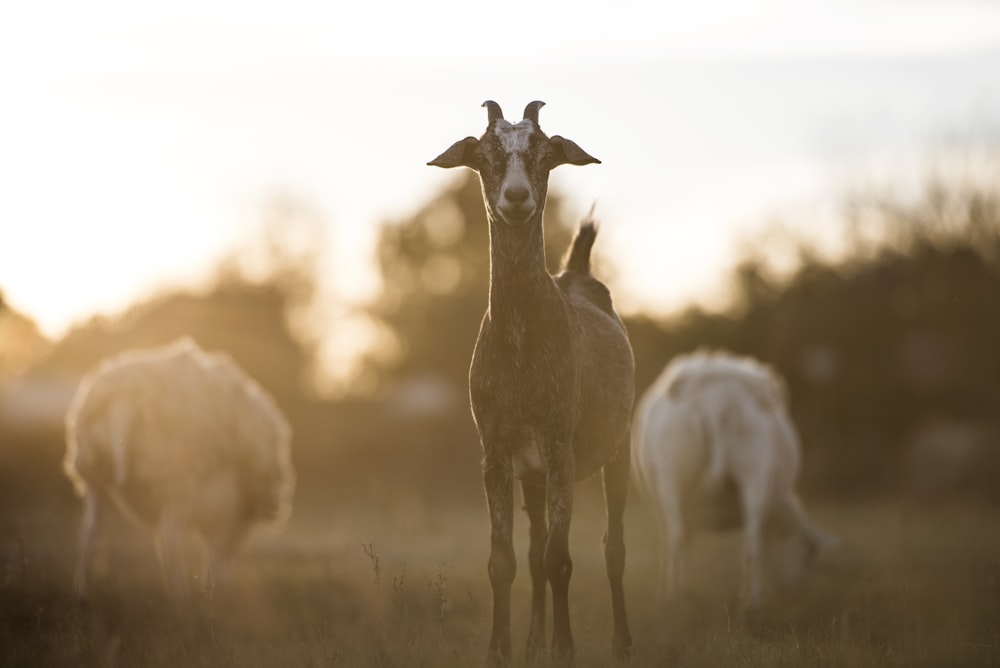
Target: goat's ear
(462,153)
(563,151)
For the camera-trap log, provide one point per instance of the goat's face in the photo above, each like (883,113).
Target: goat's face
(513,161)
(513,170)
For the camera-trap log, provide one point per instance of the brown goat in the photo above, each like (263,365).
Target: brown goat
(551,381)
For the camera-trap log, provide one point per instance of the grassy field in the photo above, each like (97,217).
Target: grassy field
(407,586)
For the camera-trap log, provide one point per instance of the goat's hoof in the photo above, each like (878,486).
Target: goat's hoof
(563,654)
(496,658)
(753,619)
(535,650)
(621,648)
(83,602)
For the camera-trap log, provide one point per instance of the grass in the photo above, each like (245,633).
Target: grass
(408,587)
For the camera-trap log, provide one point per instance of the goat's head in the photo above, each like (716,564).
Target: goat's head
(513,161)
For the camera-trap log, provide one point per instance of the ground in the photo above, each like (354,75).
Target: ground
(406,585)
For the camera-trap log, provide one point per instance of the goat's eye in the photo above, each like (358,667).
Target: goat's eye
(488,160)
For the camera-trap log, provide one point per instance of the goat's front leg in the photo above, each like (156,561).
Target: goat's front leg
(534,505)
(499,484)
(678,538)
(92,510)
(615,474)
(170,554)
(558,564)
(221,544)
(753,530)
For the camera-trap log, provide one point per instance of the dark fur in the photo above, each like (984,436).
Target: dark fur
(577,277)
(552,370)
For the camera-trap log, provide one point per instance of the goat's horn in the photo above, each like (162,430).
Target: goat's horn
(494,111)
(531,111)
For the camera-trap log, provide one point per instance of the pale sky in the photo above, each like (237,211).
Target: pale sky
(137,144)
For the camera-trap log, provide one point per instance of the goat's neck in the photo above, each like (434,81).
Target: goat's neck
(518,277)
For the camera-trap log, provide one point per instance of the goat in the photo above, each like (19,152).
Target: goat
(713,447)
(551,381)
(180,440)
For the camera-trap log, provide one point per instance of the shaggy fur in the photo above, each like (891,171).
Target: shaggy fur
(713,447)
(180,439)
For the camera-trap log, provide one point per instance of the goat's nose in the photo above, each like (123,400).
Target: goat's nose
(516,194)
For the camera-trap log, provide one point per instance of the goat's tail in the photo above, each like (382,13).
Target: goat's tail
(579,254)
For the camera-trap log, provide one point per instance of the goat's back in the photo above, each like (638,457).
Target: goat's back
(713,417)
(165,418)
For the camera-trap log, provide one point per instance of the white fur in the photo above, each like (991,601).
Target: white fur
(181,440)
(528,462)
(514,137)
(516,142)
(714,423)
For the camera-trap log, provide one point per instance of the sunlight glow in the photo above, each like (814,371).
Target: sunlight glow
(137,139)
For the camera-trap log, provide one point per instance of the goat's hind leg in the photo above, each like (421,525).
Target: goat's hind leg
(616,474)
(89,527)
(170,553)
(534,505)
(753,537)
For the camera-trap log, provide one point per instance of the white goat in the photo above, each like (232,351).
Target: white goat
(181,440)
(713,447)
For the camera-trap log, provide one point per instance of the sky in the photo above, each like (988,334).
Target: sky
(139,142)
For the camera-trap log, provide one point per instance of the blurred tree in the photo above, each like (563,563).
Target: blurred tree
(257,309)
(902,328)
(435,279)
(21,342)
(260,308)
